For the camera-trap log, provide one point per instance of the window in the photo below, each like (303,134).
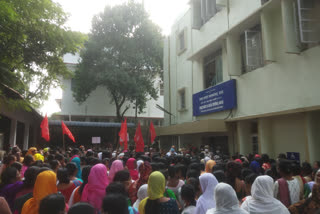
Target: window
(203,10)
(182,41)
(212,69)
(308,21)
(182,99)
(251,49)
(161,89)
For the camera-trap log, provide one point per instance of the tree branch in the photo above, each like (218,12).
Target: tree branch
(125,110)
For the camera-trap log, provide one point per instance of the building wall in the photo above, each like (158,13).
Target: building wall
(271,88)
(286,84)
(99,103)
(288,135)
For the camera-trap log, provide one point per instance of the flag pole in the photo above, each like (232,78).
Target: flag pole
(118,145)
(64,145)
(148,136)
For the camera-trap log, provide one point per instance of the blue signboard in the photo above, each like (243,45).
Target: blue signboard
(218,98)
(293,156)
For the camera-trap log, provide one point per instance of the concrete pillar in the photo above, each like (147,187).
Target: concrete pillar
(313,135)
(265,136)
(26,136)
(232,137)
(13,132)
(267,29)
(234,55)
(244,137)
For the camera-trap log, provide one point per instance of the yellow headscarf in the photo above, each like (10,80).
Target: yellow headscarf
(46,184)
(156,189)
(209,165)
(30,150)
(38,156)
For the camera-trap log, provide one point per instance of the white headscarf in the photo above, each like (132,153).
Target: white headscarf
(262,200)
(142,194)
(139,162)
(226,201)
(100,155)
(206,201)
(206,159)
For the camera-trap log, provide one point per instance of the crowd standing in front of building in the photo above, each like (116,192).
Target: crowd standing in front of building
(161,184)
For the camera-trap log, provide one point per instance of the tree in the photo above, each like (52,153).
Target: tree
(123,54)
(33,40)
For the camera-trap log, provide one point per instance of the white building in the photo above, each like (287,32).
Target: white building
(271,50)
(98,107)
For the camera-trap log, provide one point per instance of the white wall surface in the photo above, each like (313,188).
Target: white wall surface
(99,102)
(291,82)
(288,135)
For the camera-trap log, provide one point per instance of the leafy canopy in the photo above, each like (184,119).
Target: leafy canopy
(123,54)
(33,39)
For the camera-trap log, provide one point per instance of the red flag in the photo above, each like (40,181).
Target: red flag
(138,139)
(123,134)
(66,131)
(152,132)
(45,128)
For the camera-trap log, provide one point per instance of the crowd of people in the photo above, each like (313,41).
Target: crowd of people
(81,181)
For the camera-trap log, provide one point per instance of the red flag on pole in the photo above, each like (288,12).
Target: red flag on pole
(45,128)
(138,139)
(123,134)
(66,131)
(152,132)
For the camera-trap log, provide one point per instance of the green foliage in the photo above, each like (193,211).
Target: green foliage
(124,55)
(33,40)
(13,103)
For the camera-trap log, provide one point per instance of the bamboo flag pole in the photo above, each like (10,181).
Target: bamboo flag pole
(64,145)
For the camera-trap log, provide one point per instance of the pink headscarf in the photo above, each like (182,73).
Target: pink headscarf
(132,169)
(116,166)
(95,189)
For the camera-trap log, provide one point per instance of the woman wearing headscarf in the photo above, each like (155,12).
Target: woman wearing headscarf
(116,166)
(94,190)
(132,165)
(46,184)
(38,156)
(226,201)
(145,170)
(27,162)
(76,159)
(10,185)
(27,189)
(31,151)
(156,203)
(209,165)
(262,200)
(308,206)
(76,194)
(142,194)
(206,201)
(139,162)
